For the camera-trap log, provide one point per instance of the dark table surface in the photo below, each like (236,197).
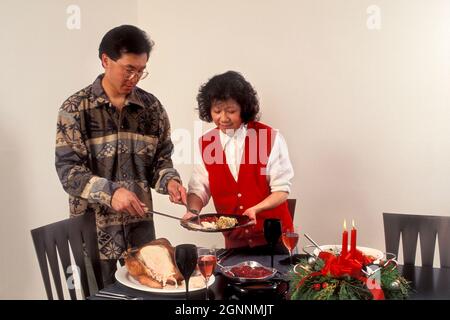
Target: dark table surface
(428,283)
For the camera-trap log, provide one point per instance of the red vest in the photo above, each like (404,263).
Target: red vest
(234,197)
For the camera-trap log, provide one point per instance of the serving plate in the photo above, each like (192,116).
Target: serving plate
(336,249)
(196,283)
(191,224)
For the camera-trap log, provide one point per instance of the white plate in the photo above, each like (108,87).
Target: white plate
(336,248)
(126,279)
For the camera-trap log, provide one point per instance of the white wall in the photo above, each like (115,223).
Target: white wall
(365,112)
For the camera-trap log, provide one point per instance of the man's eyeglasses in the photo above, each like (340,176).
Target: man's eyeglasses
(130,73)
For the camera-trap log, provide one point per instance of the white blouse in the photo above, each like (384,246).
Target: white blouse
(279,169)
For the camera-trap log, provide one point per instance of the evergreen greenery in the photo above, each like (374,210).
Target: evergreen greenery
(327,287)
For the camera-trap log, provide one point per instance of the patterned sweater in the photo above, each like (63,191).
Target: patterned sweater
(99,149)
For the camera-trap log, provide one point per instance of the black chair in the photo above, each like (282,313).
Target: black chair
(291,206)
(53,240)
(410,227)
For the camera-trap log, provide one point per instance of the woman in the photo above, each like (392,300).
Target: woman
(245,164)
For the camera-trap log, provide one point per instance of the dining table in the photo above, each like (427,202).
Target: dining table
(427,283)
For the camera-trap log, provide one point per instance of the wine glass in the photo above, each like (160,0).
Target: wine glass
(272,233)
(206,264)
(186,260)
(290,239)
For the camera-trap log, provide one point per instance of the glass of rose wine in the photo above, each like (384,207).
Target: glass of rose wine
(290,239)
(206,262)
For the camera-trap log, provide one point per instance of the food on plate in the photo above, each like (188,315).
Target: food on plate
(249,272)
(209,222)
(218,223)
(226,222)
(209,225)
(153,264)
(214,223)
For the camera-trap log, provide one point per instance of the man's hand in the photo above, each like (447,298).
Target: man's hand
(251,213)
(127,201)
(177,193)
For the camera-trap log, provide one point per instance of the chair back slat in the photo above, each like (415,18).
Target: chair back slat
(391,234)
(89,235)
(78,250)
(444,243)
(62,244)
(52,256)
(39,246)
(291,206)
(427,243)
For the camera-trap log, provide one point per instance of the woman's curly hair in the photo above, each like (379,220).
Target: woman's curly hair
(230,84)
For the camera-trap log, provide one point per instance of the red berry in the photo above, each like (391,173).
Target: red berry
(324,285)
(316,286)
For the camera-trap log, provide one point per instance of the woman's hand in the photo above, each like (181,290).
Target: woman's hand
(193,207)
(272,201)
(251,213)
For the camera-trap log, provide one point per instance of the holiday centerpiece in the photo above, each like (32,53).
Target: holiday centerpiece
(347,274)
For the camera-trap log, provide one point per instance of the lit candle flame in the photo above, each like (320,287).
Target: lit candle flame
(345,224)
(353,224)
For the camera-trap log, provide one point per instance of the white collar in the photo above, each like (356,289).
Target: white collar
(238,135)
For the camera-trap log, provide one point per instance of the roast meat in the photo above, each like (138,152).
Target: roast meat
(153,264)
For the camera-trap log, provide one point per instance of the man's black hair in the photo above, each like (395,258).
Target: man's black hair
(125,39)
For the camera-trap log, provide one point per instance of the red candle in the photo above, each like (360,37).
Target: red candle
(344,249)
(353,240)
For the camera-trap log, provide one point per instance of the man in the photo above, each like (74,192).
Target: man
(113,145)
